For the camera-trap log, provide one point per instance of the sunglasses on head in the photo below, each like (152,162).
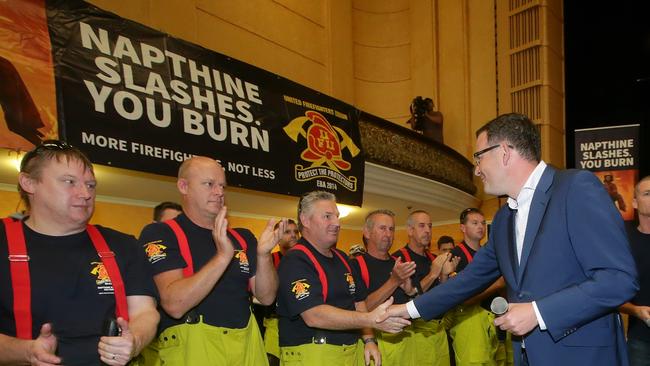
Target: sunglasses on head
(47,145)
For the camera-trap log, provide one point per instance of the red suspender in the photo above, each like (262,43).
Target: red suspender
(321,273)
(342,258)
(467,253)
(430,255)
(240,240)
(183,246)
(20,280)
(108,258)
(406,254)
(276,259)
(364,270)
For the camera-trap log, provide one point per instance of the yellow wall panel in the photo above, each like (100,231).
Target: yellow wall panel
(340,56)
(176,17)
(312,10)
(383,64)
(383,99)
(381,29)
(9,203)
(482,70)
(423,50)
(381,6)
(271,22)
(238,43)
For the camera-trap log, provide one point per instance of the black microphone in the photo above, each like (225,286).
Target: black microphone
(499,306)
(416,283)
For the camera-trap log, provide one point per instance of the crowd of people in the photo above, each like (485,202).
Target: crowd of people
(79,294)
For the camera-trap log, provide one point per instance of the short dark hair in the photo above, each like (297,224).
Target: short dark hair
(516,130)
(409,219)
(158,210)
(35,160)
(369,222)
(445,239)
(467,211)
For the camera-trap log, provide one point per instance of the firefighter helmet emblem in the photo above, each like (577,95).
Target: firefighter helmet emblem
(325,143)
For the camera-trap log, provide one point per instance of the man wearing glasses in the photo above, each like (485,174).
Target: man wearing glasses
(65,279)
(561,247)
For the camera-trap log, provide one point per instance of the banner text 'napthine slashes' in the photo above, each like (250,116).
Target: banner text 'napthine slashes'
(213,102)
(607,154)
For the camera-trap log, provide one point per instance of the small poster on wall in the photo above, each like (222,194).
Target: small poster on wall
(612,154)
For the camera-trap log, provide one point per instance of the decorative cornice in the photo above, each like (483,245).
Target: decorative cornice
(396,147)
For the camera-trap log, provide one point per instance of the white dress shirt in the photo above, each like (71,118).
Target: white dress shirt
(522,205)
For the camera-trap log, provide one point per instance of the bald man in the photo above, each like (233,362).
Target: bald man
(206,274)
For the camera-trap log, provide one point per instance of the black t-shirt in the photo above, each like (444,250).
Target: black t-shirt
(69,288)
(228,304)
(301,289)
(640,246)
(422,262)
(464,261)
(378,273)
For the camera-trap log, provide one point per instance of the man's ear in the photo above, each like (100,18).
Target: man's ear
(182,184)
(304,220)
(366,233)
(26,183)
(507,154)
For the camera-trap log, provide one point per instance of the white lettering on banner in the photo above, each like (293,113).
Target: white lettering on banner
(213,103)
(133,147)
(240,168)
(606,154)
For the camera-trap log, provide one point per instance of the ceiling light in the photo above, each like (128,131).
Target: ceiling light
(344,210)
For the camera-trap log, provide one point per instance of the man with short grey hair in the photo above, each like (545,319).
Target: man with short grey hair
(428,337)
(321,301)
(384,277)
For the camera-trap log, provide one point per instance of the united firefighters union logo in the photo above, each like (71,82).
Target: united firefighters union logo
(155,251)
(324,150)
(104,284)
(243,261)
(300,288)
(351,285)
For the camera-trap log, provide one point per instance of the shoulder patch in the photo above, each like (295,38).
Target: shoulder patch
(155,251)
(300,289)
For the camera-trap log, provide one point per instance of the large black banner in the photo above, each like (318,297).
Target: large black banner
(136,98)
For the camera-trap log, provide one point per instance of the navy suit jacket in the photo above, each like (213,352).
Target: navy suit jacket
(575,263)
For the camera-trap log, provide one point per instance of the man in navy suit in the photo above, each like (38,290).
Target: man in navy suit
(561,247)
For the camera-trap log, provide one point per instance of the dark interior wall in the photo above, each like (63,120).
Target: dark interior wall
(607,68)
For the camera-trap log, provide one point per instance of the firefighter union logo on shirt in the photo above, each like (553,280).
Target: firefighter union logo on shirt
(352,287)
(324,150)
(300,289)
(241,256)
(104,285)
(155,251)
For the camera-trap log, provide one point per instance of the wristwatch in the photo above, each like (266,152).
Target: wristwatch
(370,340)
